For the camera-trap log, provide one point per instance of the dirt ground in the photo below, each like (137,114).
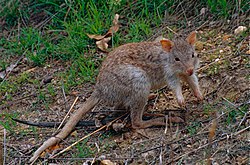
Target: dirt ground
(215,131)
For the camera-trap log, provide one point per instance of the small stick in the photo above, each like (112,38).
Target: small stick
(171,30)
(64,96)
(67,113)
(160,156)
(243,119)
(166,127)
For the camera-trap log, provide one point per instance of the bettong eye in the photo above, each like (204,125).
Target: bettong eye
(177,59)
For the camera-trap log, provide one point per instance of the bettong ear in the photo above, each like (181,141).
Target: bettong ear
(191,39)
(167,44)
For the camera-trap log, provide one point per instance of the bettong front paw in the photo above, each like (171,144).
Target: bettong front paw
(198,95)
(181,101)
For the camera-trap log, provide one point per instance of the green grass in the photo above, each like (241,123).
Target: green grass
(7,122)
(193,128)
(85,150)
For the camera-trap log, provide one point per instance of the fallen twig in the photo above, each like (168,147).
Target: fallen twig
(243,119)
(64,96)
(67,113)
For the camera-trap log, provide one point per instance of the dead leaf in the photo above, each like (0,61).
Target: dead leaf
(30,70)
(248,52)
(47,79)
(74,134)
(74,93)
(203,11)
(103,44)
(115,26)
(50,150)
(118,126)
(175,119)
(226,37)
(212,130)
(107,162)
(240,29)
(199,45)
(115,21)
(96,36)
(113,29)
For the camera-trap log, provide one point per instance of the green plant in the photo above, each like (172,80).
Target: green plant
(208,108)
(218,6)
(3,65)
(7,122)
(51,90)
(231,117)
(84,150)
(23,78)
(138,31)
(10,10)
(192,129)
(8,87)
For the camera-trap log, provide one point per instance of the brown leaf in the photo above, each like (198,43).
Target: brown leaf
(50,150)
(212,130)
(175,119)
(115,21)
(248,52)
(74,134)
(226,37)
(113,29)
(115,26)
(74,93)
(240,29)
(107,162)
(199,45)
(103,44)
(96,36)
(118,126)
